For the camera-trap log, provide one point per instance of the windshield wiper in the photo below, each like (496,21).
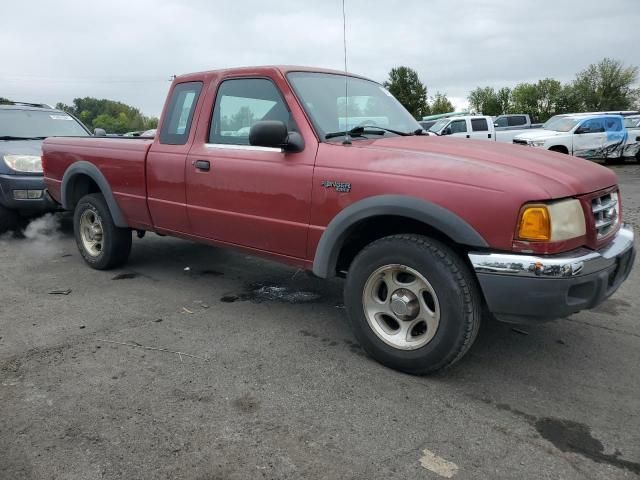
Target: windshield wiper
(362,129)
(10,137)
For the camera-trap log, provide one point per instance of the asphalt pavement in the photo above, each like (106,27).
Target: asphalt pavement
(202,363)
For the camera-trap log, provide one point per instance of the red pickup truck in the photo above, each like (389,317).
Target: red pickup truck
(431,233)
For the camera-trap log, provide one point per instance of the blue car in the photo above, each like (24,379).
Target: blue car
(23,127)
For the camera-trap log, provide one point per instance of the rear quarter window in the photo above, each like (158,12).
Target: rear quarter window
(177,123)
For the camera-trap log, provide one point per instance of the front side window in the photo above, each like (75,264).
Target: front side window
(177,124)
(241,103)
(501,122)
(458,126)
(366,103)
(595,125)
(479,125)
(517,120)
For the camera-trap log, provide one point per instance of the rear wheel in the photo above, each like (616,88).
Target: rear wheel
(9,219)
(413,303)
(102,244)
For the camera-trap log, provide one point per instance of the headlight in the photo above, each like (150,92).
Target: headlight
(24,163)
(536,143)
(552,222)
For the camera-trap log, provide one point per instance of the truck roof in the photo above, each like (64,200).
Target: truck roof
(261,70)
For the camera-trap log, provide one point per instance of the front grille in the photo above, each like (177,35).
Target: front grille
(605,213)
(519,142)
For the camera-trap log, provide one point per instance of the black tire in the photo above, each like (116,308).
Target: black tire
(459,299)
(115,241)
(559,150)
(9,219)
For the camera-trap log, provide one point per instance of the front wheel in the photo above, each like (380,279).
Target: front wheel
(102,244)
(413,303)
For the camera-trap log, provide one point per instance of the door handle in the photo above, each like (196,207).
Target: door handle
(203,165)
(468,136)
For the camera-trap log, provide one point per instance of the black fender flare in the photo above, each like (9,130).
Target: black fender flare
(447,222)
(90,170)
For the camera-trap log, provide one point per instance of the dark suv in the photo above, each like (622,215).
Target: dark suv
(23,126)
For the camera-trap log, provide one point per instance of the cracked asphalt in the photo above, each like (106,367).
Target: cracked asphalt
(197,362)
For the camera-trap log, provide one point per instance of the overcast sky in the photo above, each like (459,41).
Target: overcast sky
(53,51)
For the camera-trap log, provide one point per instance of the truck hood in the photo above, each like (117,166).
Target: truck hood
(489,165)
(540,134)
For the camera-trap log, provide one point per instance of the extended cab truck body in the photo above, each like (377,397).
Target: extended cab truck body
(429,231)
(591,136)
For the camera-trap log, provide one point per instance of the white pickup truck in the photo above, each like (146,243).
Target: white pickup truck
(479,127)
(514,121)
(585,135)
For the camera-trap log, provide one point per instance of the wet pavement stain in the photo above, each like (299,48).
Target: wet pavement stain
(612,306)
(125,276)
(264,292)
(246,404)
(211,273)
(229,298)
(570,436)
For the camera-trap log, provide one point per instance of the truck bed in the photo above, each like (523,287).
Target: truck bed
(126,176)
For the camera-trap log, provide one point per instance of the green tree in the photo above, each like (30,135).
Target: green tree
(405,85)
(440,104)
(503,96)
(114,117)
(5,101)
(485,100)
(607,85)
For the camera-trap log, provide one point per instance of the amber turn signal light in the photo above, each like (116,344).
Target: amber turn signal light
(535,224)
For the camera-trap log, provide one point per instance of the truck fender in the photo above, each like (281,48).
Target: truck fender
(90,170)
(334,236)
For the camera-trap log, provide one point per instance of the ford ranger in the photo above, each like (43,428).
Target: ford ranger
(431,233)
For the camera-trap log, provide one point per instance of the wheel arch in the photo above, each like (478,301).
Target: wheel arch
(394,214)
(559,149)
(82,178)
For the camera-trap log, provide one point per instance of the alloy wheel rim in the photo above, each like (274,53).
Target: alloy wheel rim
(401,307)
(91,232)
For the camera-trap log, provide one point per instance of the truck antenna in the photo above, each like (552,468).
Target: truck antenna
(347,138)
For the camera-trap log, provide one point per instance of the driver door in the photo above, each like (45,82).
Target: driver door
(589,138)
(459,128)
(256,197)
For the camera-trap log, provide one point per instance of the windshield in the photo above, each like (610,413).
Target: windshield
(560,123)
(439,125)
(38,123)
(369,104)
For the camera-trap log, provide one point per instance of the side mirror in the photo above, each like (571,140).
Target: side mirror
(99,132)
(446,131)
(496,125)
(274,134)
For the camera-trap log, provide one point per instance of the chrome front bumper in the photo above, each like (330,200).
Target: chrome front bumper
(522,288)
(577,262)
